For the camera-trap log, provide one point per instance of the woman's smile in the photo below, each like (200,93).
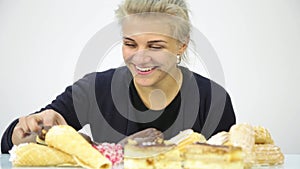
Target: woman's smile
(145,70)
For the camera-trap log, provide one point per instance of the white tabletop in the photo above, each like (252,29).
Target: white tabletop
(292,161)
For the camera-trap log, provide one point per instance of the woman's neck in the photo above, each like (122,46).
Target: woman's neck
(160,95)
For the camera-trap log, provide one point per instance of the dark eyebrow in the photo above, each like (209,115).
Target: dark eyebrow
(126,38)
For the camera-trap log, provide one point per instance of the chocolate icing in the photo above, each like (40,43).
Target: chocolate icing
(149,135)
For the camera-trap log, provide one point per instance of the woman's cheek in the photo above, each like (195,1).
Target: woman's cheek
(126,54)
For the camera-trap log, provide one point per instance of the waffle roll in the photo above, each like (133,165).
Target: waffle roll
(31,154)
(68,140)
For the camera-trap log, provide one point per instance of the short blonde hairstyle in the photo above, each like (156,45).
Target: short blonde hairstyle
(178,8)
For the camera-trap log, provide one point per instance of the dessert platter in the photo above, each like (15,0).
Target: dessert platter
(243,147)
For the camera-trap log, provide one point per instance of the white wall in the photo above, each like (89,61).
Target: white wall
(257,42)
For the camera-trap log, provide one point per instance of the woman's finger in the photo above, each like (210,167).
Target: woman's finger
(51,117)
(23,124)
(60,120)
(19,136)
(33,123)
(19,132)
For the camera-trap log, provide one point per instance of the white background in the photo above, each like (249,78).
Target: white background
(257,42)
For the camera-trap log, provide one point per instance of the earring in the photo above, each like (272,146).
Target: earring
(178,59)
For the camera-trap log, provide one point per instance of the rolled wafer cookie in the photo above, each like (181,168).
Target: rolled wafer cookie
(68,140)
(31,154)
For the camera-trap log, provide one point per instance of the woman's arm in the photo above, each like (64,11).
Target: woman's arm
(71,107)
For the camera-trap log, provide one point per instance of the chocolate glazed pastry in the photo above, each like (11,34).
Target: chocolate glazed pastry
(149,135)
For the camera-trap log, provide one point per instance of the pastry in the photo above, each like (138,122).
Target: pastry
(151,156)
(185,138)
(59,146)
(159,154)
(242,135)
(268,154)
(262,135)
(31,154)
(220,138)
(147,135)
(206,156)
(68,140)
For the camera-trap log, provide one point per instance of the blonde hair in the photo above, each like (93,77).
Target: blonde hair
(177,8)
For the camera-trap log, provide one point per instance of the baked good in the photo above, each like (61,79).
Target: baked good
(31,154)
(255,141)
(220,138)
(146,135)
(63,145)
(262,135)
(206,156)
(151,156)
(268,154)
(185,138)
(67,139)
(242,135)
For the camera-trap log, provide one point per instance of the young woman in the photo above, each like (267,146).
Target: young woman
(152,90)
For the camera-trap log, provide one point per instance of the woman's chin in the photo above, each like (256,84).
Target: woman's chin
(143,82)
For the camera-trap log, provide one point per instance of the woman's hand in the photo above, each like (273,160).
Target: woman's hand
(25,130)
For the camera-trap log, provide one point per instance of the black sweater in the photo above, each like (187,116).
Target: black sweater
(110,104)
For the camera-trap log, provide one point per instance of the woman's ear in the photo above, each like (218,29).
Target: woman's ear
(182,48)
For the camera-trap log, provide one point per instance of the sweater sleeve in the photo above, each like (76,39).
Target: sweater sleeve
(228,117)
(216,111)
(6,143)
(72,104)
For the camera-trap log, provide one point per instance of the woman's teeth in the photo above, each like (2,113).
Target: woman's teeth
(146,69)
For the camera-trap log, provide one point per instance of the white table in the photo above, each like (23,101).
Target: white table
(292,161)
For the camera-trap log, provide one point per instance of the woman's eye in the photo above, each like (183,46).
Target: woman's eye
(129,44)
(156,47)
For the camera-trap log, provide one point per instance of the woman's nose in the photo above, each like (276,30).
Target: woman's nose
(141,56)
